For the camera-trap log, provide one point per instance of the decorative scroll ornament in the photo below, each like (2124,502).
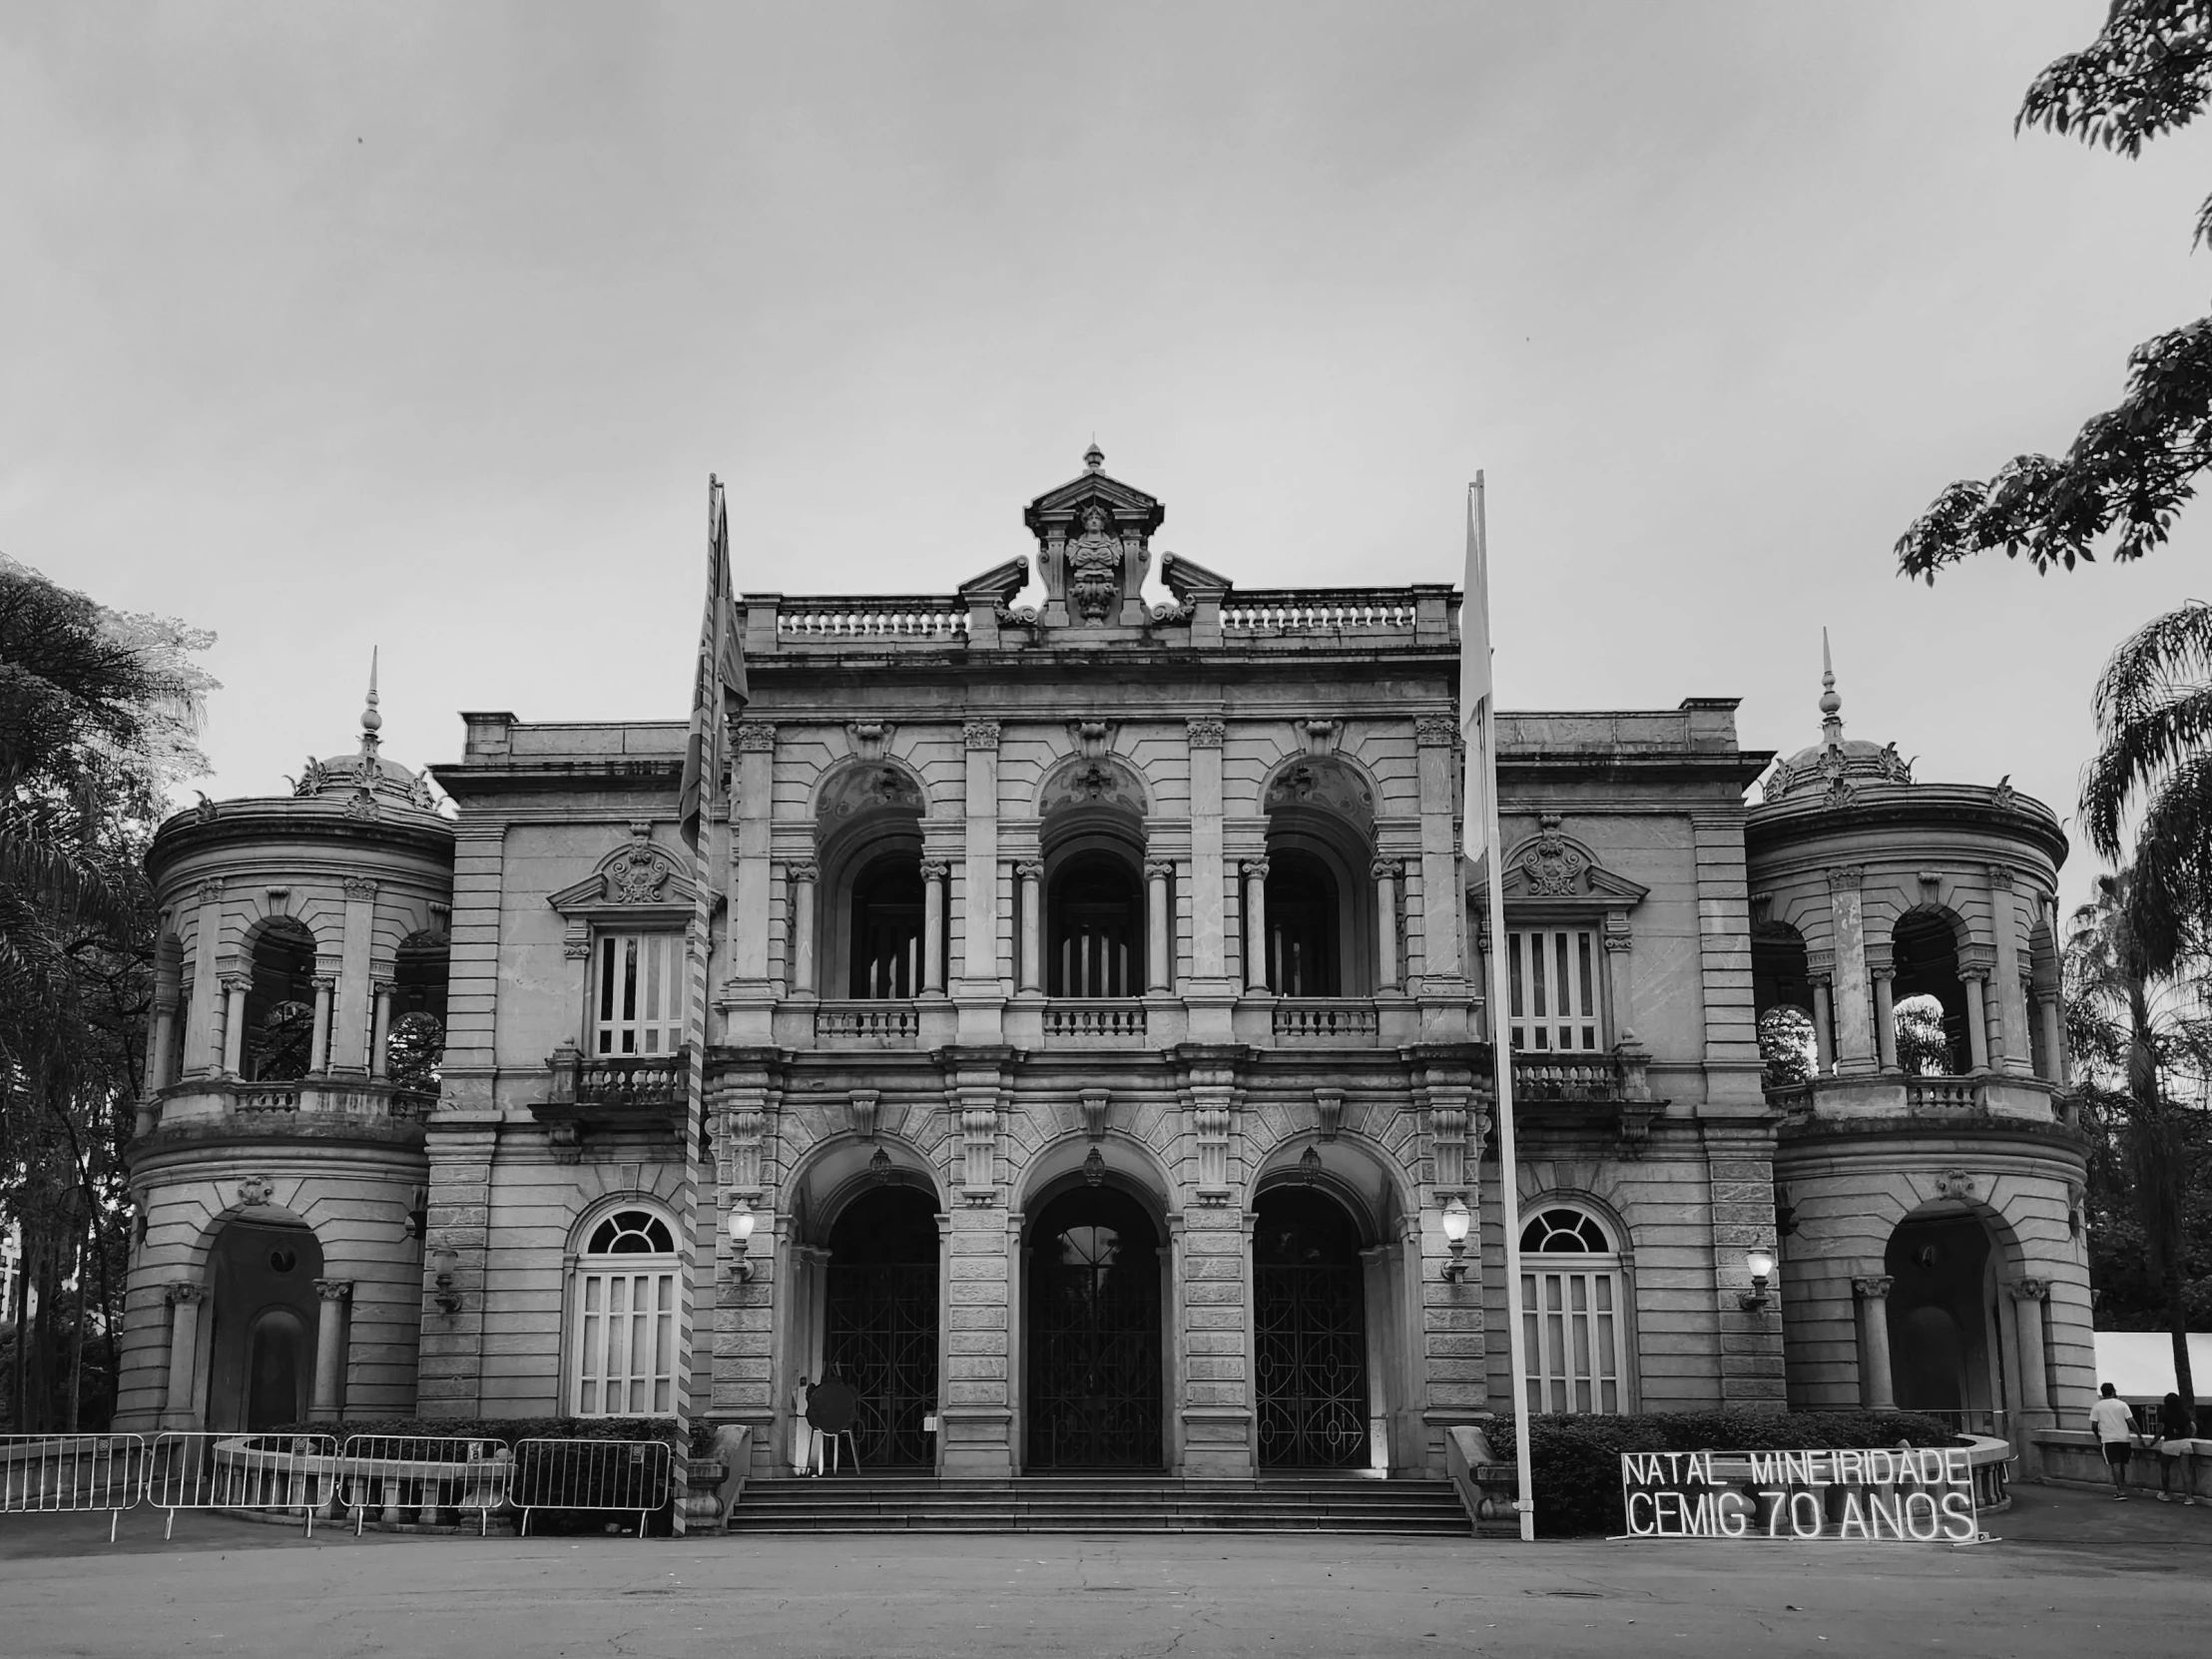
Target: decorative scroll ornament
(1955,1184)
(256,1191)
(980,734)
(870,788)
(1094,782)
(638,875)
(1322,782)
(1206,733)
(1094,568)
(1550,868)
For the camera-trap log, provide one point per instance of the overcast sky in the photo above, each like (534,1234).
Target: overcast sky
(422,328)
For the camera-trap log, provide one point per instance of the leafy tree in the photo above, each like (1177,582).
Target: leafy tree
(2132,468)
(98,711)
(1923,1046)
(1786,1044)
(2139,1037)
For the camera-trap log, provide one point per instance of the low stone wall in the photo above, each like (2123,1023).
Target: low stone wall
(2073,1457)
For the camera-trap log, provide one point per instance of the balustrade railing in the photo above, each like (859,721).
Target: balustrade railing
(643,1082)
(1099,1022)
(1942,1094)
(922,619)
(1319,611)
(1538,1077)
(266,1097)
(1325,1019)
(889,1023)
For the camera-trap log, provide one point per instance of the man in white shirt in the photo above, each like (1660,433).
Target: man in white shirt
(2114,1427)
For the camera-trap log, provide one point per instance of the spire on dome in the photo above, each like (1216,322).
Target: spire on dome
(371,720)
(1832,705)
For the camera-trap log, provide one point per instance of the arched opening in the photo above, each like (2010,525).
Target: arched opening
(415,1051)
(1782,992)
(1310,1332)
(1094,925)
(1573,1299)
(1093,1333)
(884,954)
(1304,925)
(262,1360)
(173,991)
(1931,1040)
(881,1321)
(279,1002)
(624,1316)
(1945,1352)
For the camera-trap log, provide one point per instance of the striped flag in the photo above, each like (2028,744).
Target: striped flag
(719,691)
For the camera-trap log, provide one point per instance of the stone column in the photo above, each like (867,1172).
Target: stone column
(1876,1391)
(233,1023)
(184,1353)
(1824,1029)
(979,969)
(1884,1015)
(1850,994)
(161,1041)
(1385,872)
(800,881)
(1158,938)
(2054,1037)
(2028,1297)
(1442,902)
(2010,1051)
(319,1055)
(1978,1021)
(1255,871)
(380,1041)
(203,1017)
(1618,941)
(329,1347)
(1209,875)
(934,874)
(751,872)
(349,1035)
(1031,877)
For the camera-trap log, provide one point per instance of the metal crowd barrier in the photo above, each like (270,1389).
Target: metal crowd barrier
(70,1473)
(425,1474)
(213,1469)
(612,1475)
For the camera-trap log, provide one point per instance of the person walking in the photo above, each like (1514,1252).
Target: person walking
(2113,1423)
(2178,1446)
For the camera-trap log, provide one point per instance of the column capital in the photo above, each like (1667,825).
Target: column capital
(936,870)
(1823,977)
(803,870)
(1157,869)
(235,985)
(979,734)
(1842,876)
(1882,971)
(183,1292)
(2000,878)
(325,981)
(1251,867)
(1387,869)
(334,1290)
(1875,1288)
(360,887)
(1030,869)
(2029,1289)
(1620,942)
(756,737)
(1206,733)
(382,987)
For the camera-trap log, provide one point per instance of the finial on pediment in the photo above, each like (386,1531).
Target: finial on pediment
(1094,459)
(1831,704)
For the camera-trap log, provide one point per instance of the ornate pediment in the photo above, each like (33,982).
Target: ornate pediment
(637,883)
(1324,784)
(871,788)
(1100,781)
(1093,543)
(1551,868)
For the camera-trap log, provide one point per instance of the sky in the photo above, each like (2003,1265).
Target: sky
(421,329)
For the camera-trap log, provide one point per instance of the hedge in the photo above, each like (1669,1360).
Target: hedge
(1576,1461)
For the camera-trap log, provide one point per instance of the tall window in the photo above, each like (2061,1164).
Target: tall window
(887,929)
(1097,948)
(637,999)
(1551,989)
(1571,1323)
(1301,925)
(626,1319)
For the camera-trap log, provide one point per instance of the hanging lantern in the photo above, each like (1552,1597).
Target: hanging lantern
(1309,1165)
(1094,1168)
(880,1167)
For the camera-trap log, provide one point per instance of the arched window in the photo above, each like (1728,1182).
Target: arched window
(415,1051)
(279,1002)
(1303,955)
(1572,1324)
(625,1318)
(886,958)
(1924,947)
(1096,914)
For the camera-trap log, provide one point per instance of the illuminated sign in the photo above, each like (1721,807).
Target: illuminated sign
(1908,1495)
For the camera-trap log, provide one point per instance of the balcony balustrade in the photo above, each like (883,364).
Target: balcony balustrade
(1990,1094)
(1094,1024)
(1344,1022)
(867,1024)
(277,1106)
(616,1090)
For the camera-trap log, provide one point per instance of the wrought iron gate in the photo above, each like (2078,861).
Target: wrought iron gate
(882,1338)
(1310,1343)
(1094,1335)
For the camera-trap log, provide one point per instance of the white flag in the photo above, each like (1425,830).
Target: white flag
(1474,685)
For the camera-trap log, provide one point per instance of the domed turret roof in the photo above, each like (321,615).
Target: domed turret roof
(364,776)
(1835,766)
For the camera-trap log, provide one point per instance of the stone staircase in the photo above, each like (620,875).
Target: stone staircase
(1102,1503)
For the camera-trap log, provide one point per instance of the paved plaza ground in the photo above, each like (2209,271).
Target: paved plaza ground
(2075,1575)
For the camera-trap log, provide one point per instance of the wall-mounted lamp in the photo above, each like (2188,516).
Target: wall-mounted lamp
(1457,1222)
(1309,1166)
(741,1237)
(880,1168)
(1094,1168)
(445,1261)
(1760,1264)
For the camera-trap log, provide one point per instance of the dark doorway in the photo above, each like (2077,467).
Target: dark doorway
(887,964)
(881,1334)
(1943,1352)
(263,1275)
(1095,909)
(1310,1342)
(1094,1334)
(1301,925)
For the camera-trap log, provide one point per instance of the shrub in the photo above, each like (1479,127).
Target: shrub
(1576,1461)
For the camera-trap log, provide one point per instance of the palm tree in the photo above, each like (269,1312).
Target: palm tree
(2133,1024)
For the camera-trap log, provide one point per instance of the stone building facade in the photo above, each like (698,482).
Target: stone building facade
(1099,1050)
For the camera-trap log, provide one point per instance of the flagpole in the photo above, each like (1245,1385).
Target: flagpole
(1508,1179)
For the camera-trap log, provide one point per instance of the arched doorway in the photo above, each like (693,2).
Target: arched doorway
(1309,1338)
(1094,1334)
(1945,1352)
(881,1321)
(263,1276)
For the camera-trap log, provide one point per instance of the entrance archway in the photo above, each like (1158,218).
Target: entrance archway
(263,1276)
(881,1321)
(1309,1338)
(1093,1333)
(1944,1350)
